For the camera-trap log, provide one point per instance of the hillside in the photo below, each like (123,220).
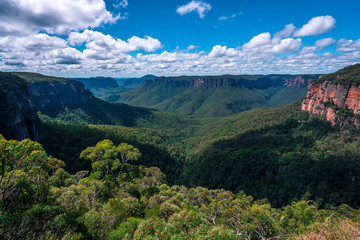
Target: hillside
(132,83)
(102,87)
(216,96)
(116,199)
(69,101)
(336,97)
(18,120)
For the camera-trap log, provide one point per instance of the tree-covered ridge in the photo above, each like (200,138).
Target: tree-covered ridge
(9,81)
(347,76)
(216,96)
(118,200)
(37,77)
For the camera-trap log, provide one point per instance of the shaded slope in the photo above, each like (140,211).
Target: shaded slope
(18,120)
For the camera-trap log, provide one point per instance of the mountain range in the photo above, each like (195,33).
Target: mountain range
(216,96)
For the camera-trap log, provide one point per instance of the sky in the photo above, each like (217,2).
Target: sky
(132,38)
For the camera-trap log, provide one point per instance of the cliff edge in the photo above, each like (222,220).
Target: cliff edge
(18,120)
(336,96)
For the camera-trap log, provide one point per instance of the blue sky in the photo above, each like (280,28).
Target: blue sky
(125,38)
(160,20)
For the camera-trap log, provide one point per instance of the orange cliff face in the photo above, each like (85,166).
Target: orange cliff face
(339,96)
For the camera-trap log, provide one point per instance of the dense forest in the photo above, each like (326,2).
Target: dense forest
(278,153)
(116,199)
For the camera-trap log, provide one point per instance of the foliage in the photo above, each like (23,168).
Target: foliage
(98,206)
(36,77)
(219,96)
(277,153)
(347,76)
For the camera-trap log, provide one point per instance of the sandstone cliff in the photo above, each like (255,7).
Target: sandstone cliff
(18,120)
(336,97)
(55,95)
(247,81)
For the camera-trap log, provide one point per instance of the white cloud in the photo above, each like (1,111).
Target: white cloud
(100,42)
(222,51)
(198,6)
(287,45)
(148,44)
(121,3)
(21,17)
(324,42)
(344,45)
(259,40)
(286,32)
(234,15)
(316,26)
(107,55)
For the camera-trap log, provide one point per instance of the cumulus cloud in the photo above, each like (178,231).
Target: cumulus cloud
(100,42)
(261,39)
(287,45)
(20,17)
(222,51)
(316,26)
(198,6)
(103,54)
(344,45)
(324,42)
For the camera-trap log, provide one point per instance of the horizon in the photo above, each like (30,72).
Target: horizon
(127,38)
(168,76)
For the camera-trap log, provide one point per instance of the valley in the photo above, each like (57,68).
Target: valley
(283,154)
(216,96)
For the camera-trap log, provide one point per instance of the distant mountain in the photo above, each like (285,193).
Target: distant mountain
(214,96)
(102,87)
(135,82)
(98,82)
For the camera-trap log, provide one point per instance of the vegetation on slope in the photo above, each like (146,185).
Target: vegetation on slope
(278,153)
(117,200)
(37,77)
(214,96)
(102,87)
(347,76)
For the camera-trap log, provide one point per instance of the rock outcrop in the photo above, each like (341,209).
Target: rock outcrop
(338,101)
(47,95)
(247,81)
(298,81)
(18,120)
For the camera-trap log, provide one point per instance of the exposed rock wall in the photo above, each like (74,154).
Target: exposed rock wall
(260,82)
(332,100)
(18,120)
(45,95)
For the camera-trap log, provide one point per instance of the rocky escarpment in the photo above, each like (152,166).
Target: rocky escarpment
(336,98)
(298,81)
(54,95)
(98,82)
(247,81)
(18,120)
